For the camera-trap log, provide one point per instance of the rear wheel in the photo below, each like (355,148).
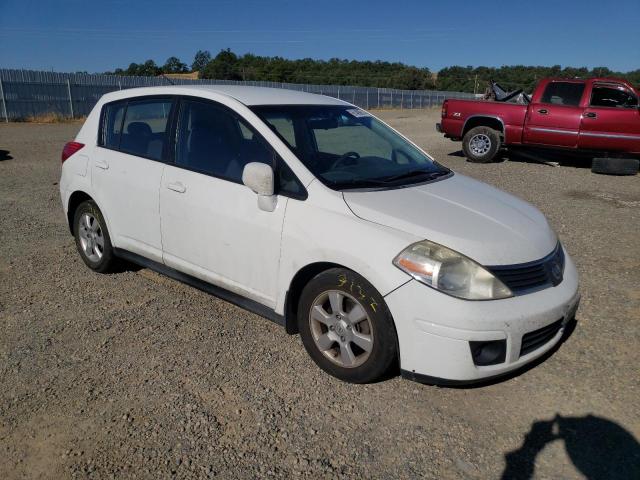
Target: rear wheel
(346,327)
(92,238)
(615,166)
(481,144)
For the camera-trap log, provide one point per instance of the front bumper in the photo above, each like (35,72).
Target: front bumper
(434,329)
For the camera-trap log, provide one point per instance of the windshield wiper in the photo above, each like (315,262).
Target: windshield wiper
(386,181)
(359,183)
(412,174)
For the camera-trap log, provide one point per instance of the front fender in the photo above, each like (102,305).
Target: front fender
(333,234)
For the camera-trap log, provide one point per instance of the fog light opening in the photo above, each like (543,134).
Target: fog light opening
(488,353)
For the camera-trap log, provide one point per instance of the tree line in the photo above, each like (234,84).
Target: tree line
(226,65)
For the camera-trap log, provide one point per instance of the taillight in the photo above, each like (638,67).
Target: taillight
(70,148)
(444,109)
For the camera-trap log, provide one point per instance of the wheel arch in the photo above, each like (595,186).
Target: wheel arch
(75,199)
(483,121)
(297,284)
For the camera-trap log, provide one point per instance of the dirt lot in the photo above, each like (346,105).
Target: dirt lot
(135,375)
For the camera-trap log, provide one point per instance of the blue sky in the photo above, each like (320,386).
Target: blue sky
(70,35)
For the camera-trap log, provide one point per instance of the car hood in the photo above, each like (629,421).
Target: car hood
(471,217)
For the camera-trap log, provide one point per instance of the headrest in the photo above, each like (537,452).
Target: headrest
(138,128)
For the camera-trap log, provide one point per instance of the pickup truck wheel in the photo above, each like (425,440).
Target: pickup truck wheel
(481,144)
(615,166)
(346,327)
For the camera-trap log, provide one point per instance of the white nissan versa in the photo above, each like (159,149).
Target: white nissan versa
(315,214)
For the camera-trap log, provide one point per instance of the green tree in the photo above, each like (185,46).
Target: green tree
(336,71)
(200,60)
(174,65)
(223,67)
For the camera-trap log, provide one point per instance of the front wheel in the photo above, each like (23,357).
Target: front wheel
(346,327)
(481,144)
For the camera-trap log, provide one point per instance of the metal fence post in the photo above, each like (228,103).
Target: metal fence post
(412,100)
(391,99)
(119,85)
(367,99)
(402,99)
(338,93)
(378,98)
(4,102)
(70,99)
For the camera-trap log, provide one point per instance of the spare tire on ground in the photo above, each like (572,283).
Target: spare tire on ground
(615,166)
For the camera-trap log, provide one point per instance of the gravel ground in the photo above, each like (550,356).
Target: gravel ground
(136,375)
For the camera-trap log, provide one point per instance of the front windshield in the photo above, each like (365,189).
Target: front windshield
(346,147)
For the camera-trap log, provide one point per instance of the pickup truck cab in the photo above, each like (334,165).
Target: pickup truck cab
(595,116)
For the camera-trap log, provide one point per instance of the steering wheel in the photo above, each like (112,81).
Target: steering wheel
(339,161)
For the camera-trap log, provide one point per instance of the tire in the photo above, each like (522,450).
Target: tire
(92,238)
(357,343)
(615,166)
(481,144)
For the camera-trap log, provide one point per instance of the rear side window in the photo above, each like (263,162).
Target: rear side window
(112,125)
(612,96)
(563,93)
(144,131)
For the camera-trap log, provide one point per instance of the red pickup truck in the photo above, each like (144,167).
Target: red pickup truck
(597,117)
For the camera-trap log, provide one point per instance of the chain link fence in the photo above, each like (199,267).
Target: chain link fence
(28,94)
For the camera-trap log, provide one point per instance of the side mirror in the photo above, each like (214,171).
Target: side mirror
(259,178)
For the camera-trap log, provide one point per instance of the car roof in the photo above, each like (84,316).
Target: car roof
(245,94)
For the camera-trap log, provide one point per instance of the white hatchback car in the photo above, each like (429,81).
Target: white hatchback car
(317,215)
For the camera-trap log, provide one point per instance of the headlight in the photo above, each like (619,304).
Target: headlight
(450,272)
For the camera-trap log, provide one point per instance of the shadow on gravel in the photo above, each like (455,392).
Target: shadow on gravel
(550,159)
(598,448)
(4,155)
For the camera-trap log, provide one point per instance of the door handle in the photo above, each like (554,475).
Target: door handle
(102,164)
(543,111)
(177,187)
(590,115)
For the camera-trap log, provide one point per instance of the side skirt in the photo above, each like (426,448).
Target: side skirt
(219,292)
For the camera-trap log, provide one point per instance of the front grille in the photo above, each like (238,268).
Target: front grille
(528,277)
(533,340)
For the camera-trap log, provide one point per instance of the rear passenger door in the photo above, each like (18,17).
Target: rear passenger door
(554,118)
(212,227)
(127,170)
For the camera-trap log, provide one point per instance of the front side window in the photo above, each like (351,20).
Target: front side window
(612,96)
(214,141)
(346,147)
(144,131)
(563,93)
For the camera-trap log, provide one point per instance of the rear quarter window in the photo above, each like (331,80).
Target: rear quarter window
(112,125)
(563,93)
